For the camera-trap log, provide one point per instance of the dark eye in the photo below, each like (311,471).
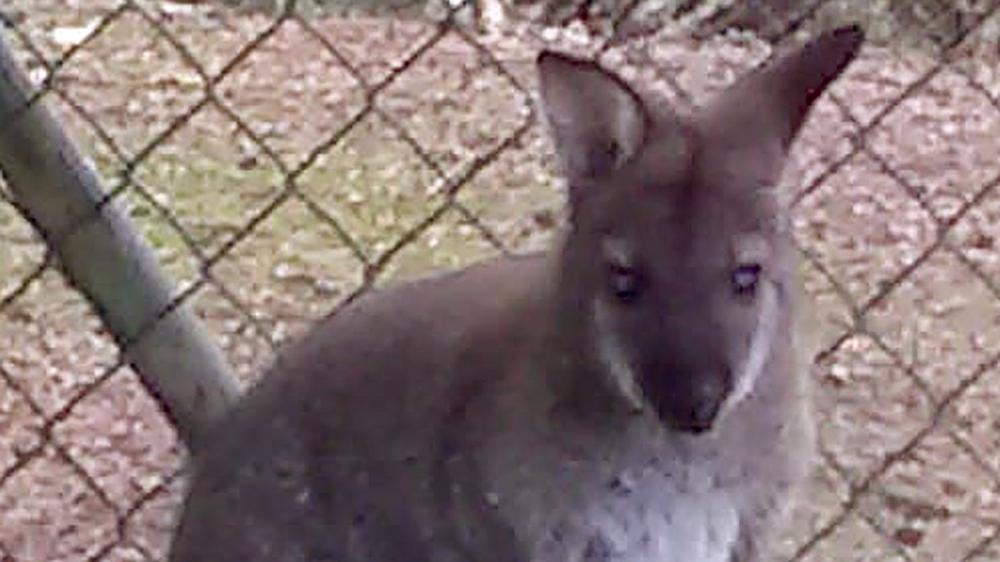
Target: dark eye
(745,278)
(624,282)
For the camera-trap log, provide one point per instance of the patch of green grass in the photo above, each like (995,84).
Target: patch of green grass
(372,197)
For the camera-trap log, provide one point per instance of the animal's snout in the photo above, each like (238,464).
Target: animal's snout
(702,415)
(687,399)
(703,405)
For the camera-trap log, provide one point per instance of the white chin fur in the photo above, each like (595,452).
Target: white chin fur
(760,350)
(614,357)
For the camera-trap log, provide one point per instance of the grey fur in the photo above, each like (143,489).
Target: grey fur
(491,415)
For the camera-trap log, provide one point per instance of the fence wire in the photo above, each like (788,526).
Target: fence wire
(280,165)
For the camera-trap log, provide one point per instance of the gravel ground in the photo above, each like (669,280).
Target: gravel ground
(899,232)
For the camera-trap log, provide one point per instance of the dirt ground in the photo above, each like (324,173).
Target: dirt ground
(898,232)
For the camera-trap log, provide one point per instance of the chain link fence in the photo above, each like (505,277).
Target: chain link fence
(279,165)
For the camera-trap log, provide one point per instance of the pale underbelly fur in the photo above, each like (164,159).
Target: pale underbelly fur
(649,518)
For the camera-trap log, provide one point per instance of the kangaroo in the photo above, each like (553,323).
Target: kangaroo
(635,394)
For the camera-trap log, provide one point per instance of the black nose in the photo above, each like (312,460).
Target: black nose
(686,402)
(702,415)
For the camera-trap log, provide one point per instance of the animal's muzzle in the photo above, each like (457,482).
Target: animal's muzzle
(701,415)
(694,407)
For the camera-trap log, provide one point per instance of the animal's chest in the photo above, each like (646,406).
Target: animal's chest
(651,518)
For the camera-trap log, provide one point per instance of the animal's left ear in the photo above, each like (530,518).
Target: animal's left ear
(775,100)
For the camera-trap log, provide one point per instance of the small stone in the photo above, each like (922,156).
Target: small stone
(909,536)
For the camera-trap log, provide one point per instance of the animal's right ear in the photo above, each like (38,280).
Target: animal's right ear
(597,121)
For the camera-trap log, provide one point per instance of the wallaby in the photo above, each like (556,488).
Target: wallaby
(636,394)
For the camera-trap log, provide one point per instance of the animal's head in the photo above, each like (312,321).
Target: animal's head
(679,254)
